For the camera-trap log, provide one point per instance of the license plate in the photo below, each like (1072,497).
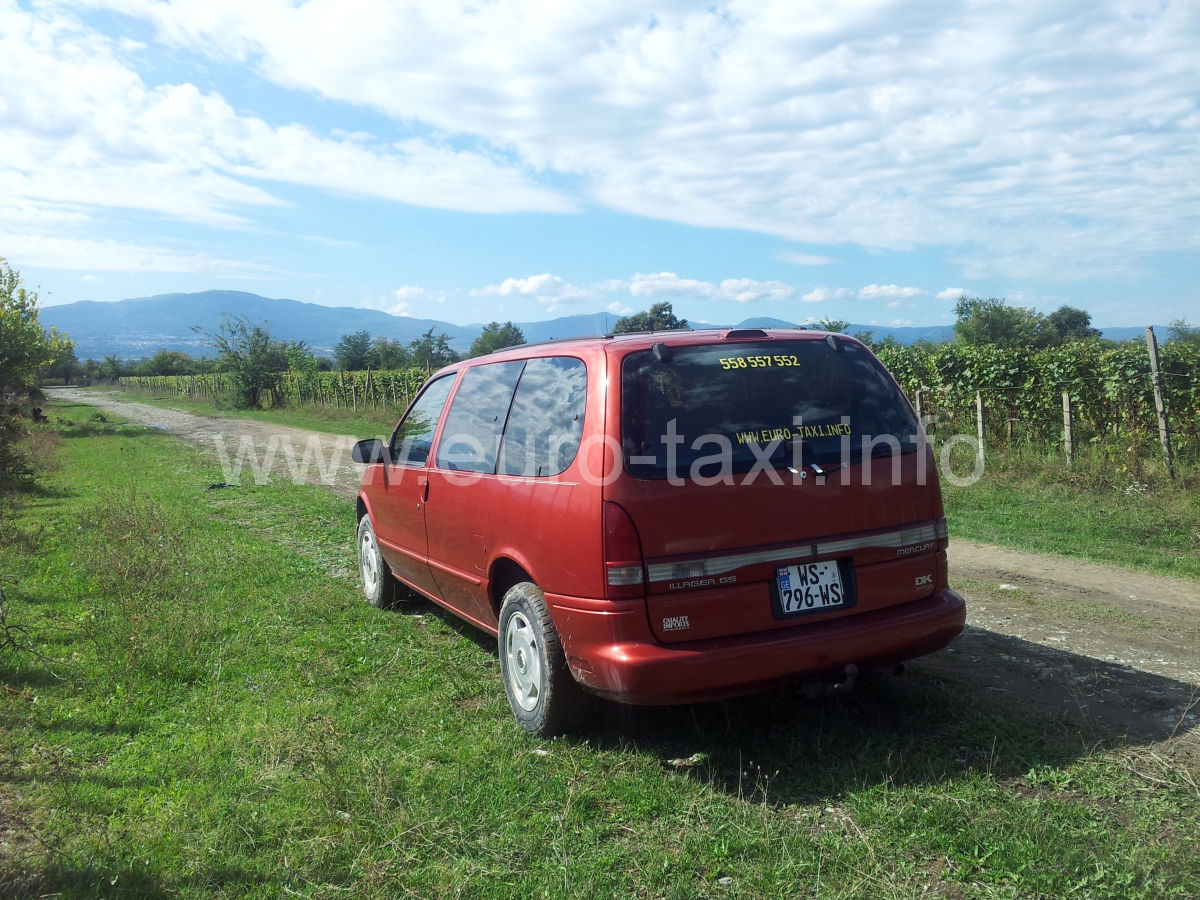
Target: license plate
(812,588)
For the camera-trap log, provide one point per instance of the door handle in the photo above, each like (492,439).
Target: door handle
(425,491)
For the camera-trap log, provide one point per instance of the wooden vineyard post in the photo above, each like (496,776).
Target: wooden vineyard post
(1068,442)
(979,419)
(918,404)
(1164,428)
(393,382)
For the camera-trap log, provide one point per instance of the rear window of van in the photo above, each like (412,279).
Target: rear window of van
(722,399)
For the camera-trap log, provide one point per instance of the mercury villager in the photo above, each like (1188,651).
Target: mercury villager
(665,518)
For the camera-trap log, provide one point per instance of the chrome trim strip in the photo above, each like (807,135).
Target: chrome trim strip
(902,538)
(719,565)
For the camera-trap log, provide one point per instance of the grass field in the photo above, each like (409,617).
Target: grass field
(1027,500)
(220,714)
(1030,501)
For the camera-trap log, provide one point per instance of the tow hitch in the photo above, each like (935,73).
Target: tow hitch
(814,687)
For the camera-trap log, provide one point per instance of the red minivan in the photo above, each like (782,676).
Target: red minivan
(665,517)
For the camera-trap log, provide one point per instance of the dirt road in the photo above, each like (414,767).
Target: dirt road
(1083,641)
(226,436)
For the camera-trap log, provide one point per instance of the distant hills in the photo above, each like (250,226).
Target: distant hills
(142,326)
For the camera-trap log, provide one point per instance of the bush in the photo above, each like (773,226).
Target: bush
(254,361)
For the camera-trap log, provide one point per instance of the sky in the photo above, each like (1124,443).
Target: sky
(867,161)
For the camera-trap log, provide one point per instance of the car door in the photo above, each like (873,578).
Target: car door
(400,504)
(462,495)
(522,503)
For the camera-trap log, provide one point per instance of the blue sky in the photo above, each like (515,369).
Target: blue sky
(864,161)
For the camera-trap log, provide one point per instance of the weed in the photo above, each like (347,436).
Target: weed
(147,610)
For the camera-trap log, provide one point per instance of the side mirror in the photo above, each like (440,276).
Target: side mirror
(369,451)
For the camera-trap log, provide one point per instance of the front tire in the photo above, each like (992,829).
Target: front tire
(380,587)
(543,695)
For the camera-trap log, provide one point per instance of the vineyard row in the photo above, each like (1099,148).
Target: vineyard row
(1110,387)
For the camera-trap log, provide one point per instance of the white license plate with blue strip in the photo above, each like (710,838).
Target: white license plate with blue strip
(810,588)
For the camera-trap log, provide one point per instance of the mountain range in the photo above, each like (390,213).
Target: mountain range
(142,326)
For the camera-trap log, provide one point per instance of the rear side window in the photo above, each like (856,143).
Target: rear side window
(546,421)
(412,440)
(712,399)
(471,439)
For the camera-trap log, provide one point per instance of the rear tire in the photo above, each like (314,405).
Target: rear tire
(379,585)
(541,691)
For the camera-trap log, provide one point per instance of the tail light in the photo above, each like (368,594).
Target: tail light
(943,534)
(623,569)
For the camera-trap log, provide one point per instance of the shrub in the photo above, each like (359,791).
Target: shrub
(252,359)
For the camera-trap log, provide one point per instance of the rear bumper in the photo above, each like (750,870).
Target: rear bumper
(612,653)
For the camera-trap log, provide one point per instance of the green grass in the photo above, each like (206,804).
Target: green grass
(364,422)
(249,727)
(1027,500)
(1099,512)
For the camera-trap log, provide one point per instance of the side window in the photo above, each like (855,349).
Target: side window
(546,421)
(412,440)
(471,438)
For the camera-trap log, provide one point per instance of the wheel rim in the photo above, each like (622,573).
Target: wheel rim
(524,661)
(368,563)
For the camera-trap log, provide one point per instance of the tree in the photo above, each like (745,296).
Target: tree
(254,360)
(113,366)
(387,355)
(661,317)
(994,322)
(167,362)
(1179,330)
(495,337)
(300,358)
(431,351)
(835,325)
(1071,324)
(352,351)
(27,349)
(66,366)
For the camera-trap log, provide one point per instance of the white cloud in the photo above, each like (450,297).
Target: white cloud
(803,259)
(893,304)
(951,293)
(1059,135)
(402,299)
(115,256)
(81,131)
(821,294)
(616,307)
(741,290)
(669,284)
(744,290)
(876,291)
(545,288)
